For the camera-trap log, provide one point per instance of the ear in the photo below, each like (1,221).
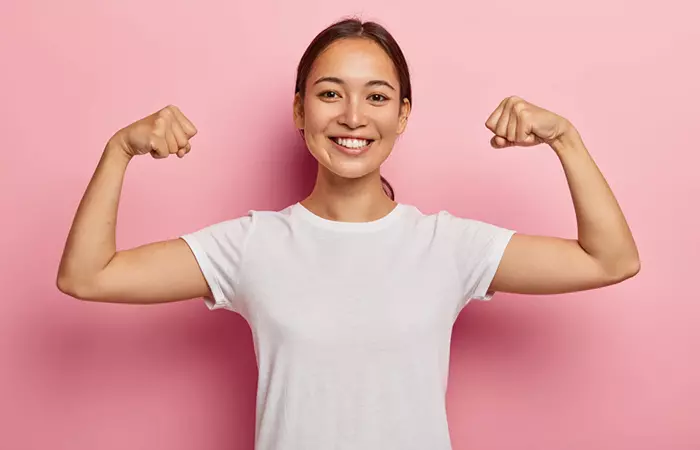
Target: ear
(403,116)
(298,110)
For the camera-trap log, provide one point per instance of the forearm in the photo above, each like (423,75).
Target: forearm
(91,242)
(602,228)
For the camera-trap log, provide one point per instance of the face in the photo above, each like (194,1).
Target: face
(352,112)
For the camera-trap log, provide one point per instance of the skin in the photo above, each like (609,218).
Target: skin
(339,102)
(348,188)
(604,252)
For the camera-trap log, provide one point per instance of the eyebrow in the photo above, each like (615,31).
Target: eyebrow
(369,83)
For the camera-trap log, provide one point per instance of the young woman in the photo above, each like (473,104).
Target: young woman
(351,296)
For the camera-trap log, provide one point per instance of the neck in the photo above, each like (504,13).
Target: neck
(348,199)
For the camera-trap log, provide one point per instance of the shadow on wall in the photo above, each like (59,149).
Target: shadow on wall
(116,367)
(285,171)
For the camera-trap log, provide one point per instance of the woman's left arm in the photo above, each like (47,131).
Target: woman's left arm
(604,253)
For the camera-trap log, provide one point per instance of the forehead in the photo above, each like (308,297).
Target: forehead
(354,60)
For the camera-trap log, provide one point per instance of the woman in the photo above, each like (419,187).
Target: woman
(351,296)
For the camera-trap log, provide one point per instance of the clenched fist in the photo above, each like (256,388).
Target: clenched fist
(516,122)
(161,134)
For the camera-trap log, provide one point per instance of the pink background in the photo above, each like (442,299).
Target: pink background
(615,368)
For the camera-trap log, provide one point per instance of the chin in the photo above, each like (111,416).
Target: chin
(349,170)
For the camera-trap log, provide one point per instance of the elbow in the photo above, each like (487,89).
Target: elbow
(626,271)
(633,266)
(636,266)
(71,287)
(66,285)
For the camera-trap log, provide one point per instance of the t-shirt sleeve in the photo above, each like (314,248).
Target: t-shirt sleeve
(478,249)
(219,250)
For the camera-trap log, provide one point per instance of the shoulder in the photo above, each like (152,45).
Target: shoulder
(450,225)
(441,218)
(243,226)
(258,217)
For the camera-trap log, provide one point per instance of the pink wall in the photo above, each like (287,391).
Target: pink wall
(615,368)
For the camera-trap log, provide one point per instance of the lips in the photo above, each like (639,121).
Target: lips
(351,146)
(351,142)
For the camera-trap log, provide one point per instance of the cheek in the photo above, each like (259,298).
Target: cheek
(317,115)
(387,120)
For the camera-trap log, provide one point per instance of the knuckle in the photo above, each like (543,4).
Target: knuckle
(157,146)
(519,107)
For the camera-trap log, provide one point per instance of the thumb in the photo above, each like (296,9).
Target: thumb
(499,142)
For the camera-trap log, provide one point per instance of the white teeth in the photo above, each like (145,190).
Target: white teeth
(352,143)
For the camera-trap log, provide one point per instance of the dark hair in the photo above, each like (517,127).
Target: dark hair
(355,28)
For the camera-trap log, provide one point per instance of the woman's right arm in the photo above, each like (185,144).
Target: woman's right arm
(91,268)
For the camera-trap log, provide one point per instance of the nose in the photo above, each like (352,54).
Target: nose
(353,115)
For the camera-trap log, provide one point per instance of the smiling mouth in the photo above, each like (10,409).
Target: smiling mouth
(352,143)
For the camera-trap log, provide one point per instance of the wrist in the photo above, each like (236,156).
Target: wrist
(569,138)
(116,150)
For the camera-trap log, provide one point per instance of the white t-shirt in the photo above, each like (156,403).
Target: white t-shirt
(351,321)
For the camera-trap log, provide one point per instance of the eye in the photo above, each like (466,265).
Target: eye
(379,98)
(329,94)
